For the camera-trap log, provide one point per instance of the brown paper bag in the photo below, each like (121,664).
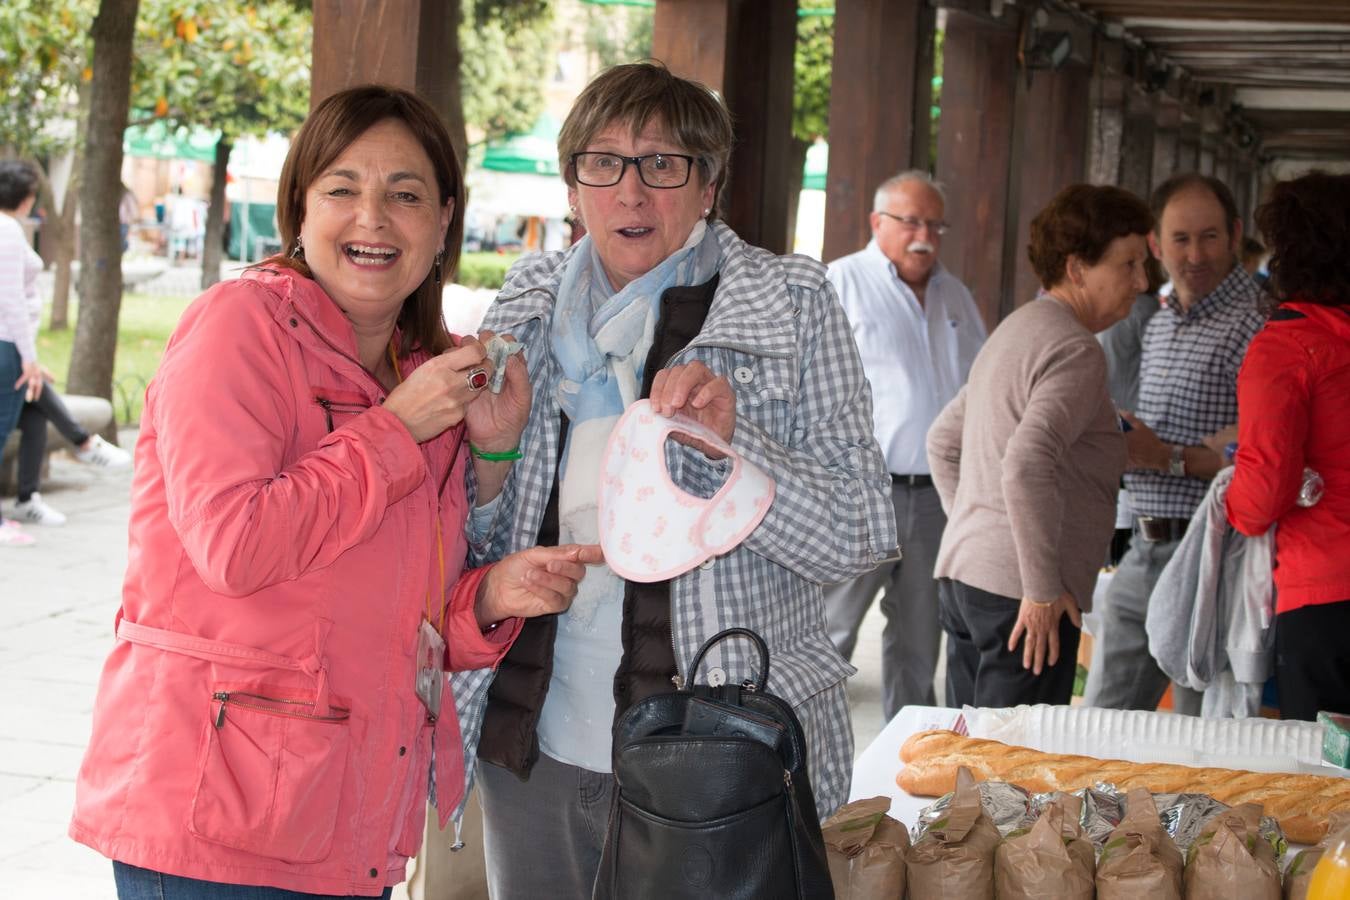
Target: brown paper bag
(955,857)
(1299,874)
(866,851)
(1049,861)
(1140,859)
(1231,861)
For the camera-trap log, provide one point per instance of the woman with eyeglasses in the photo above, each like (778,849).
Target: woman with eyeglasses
(661,300)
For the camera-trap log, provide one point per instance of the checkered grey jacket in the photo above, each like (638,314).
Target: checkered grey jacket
(804,414)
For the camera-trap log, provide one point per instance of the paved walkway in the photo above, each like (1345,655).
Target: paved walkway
(56,622)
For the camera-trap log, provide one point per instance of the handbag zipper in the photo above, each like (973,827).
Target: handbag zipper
(272,706)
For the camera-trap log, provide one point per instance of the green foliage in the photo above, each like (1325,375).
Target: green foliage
(504,65)
(619,34)
(44,55)
(509,15)
(811,83)
(240,66)
(484,270)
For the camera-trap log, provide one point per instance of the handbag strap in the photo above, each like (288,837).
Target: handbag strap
(749,635)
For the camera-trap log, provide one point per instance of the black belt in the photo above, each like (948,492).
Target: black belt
(1156,528)
(912,480)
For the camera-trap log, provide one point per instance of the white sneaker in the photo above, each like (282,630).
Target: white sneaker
(101,453)
(12,536)
(34,511)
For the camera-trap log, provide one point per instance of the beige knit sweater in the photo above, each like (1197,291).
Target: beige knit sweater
(1027,460)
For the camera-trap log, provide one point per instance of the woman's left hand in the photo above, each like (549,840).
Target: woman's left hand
(1039,622)
(495,421)
(534,582)
(693,390)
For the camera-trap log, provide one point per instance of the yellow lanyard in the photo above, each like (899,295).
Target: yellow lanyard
(439,621)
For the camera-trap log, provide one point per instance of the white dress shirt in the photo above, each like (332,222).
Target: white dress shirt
(916,357)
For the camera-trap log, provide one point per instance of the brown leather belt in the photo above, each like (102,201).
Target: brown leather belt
(1155,529)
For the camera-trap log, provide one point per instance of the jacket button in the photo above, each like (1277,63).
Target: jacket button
(402,751)
(294,323)
(374,872)
(743,374)
(717,676)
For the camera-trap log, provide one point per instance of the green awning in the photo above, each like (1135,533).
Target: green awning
(158,141)
(534,153)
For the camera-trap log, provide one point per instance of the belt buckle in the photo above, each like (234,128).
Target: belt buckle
(1151,529)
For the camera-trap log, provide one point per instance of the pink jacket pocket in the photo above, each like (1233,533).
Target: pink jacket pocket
(270,777)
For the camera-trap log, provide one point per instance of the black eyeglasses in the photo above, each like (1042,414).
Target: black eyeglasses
(657,170)
(914,224)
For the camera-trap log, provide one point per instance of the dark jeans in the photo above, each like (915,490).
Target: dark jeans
(33,419)
(1312,660)
(11,400)
(980,669)
(134,883)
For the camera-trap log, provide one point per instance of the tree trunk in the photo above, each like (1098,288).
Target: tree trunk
(64,233)
(95,348)
(797,166)
(213,251)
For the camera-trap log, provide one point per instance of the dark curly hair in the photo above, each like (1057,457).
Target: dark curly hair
(1306,224)
(18,182)
(1082,220)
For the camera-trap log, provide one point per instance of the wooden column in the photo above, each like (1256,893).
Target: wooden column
(1052,155)
(1110,87)
(1166,141)
(744,50)
(880,94)
(1137,144)
(975,135)
(1188,148)
(405,43)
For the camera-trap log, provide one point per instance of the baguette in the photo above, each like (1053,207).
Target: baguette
(1303,804)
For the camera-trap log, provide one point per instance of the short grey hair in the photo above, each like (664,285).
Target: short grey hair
(884,189)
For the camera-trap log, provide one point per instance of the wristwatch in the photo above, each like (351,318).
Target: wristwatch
(1176,464)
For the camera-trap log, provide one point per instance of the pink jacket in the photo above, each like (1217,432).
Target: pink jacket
(256,721)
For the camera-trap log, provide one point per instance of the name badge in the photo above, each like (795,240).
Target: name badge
(430,669)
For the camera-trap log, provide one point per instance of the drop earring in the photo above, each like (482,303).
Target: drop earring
(298,252)
(436,267)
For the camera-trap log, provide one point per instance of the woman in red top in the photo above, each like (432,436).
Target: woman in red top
(1293,394)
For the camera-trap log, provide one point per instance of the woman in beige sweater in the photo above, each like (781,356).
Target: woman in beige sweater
(1028,456)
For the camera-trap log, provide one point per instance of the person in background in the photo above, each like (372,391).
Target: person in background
(1192,349)
(128,213)
(662,300)
(1028,456)
(29,505)
(1292,394)
(20,374)
(917,331)
(1123,344)
(272,713)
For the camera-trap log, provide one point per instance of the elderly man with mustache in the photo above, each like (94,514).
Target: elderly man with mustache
(918,332)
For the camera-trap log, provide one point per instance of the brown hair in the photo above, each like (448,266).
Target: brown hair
(1082,220)
(331,128)
(1163,194)
(637,93)
(1306,223)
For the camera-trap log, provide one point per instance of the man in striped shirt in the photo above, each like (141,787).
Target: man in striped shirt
(1192,349)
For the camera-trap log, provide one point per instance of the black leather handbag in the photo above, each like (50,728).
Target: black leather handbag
(712,796)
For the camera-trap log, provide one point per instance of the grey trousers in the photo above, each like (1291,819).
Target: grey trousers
(1123,674)
(543,837)
(909,642)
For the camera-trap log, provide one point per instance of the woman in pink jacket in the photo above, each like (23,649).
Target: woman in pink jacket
(270,719)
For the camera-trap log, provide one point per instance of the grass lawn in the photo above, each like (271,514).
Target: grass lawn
(145,324)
